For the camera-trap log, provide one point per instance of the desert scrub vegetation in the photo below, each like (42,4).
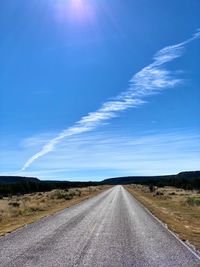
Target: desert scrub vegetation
(33,185)
(193,201)
(177,207)
(18,210)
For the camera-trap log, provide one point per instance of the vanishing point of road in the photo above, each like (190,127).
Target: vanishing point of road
(109,230)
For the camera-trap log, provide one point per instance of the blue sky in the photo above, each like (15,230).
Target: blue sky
(93,89)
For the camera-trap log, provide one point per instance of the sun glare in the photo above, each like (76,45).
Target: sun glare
(76,10)
(77,4)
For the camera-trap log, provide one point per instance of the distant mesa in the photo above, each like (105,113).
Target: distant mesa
(137,179)
(109,181)
(17,179)
(12,185)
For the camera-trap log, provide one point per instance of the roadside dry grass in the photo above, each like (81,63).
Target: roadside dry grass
(17,211)
(178,208)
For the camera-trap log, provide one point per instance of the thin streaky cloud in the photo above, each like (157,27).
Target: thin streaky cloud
(119,154)
(151,80)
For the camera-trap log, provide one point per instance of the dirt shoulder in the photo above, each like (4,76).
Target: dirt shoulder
(17,211)
(178,208)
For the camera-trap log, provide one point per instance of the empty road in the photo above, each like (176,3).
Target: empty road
(108,230)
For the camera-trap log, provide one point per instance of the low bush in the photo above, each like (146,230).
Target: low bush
(62,194)
(158,193)
(193,201)
(78,192)
(14,204)
(30,210)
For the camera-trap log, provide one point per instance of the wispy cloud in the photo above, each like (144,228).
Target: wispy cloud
(151,80)
(101,153)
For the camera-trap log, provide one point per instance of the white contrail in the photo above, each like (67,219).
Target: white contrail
(150,80)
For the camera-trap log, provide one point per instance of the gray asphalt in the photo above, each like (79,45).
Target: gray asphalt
(111,230)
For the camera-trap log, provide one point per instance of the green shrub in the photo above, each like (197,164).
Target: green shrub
(159,193)
(152,188)
(193,201)
(61,194)
(14,204)
(68,197)
(78,192)
(30,210)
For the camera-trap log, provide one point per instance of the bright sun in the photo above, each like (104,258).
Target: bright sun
(76,10)
(81,9)
(77,3)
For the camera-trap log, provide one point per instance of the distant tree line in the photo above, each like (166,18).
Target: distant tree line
(41,186)
(12,185)
(186,180)
(184,183)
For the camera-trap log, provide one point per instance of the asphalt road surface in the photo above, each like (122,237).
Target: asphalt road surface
(109,230)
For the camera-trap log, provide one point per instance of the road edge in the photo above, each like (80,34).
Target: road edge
(189,246)
(54,212)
